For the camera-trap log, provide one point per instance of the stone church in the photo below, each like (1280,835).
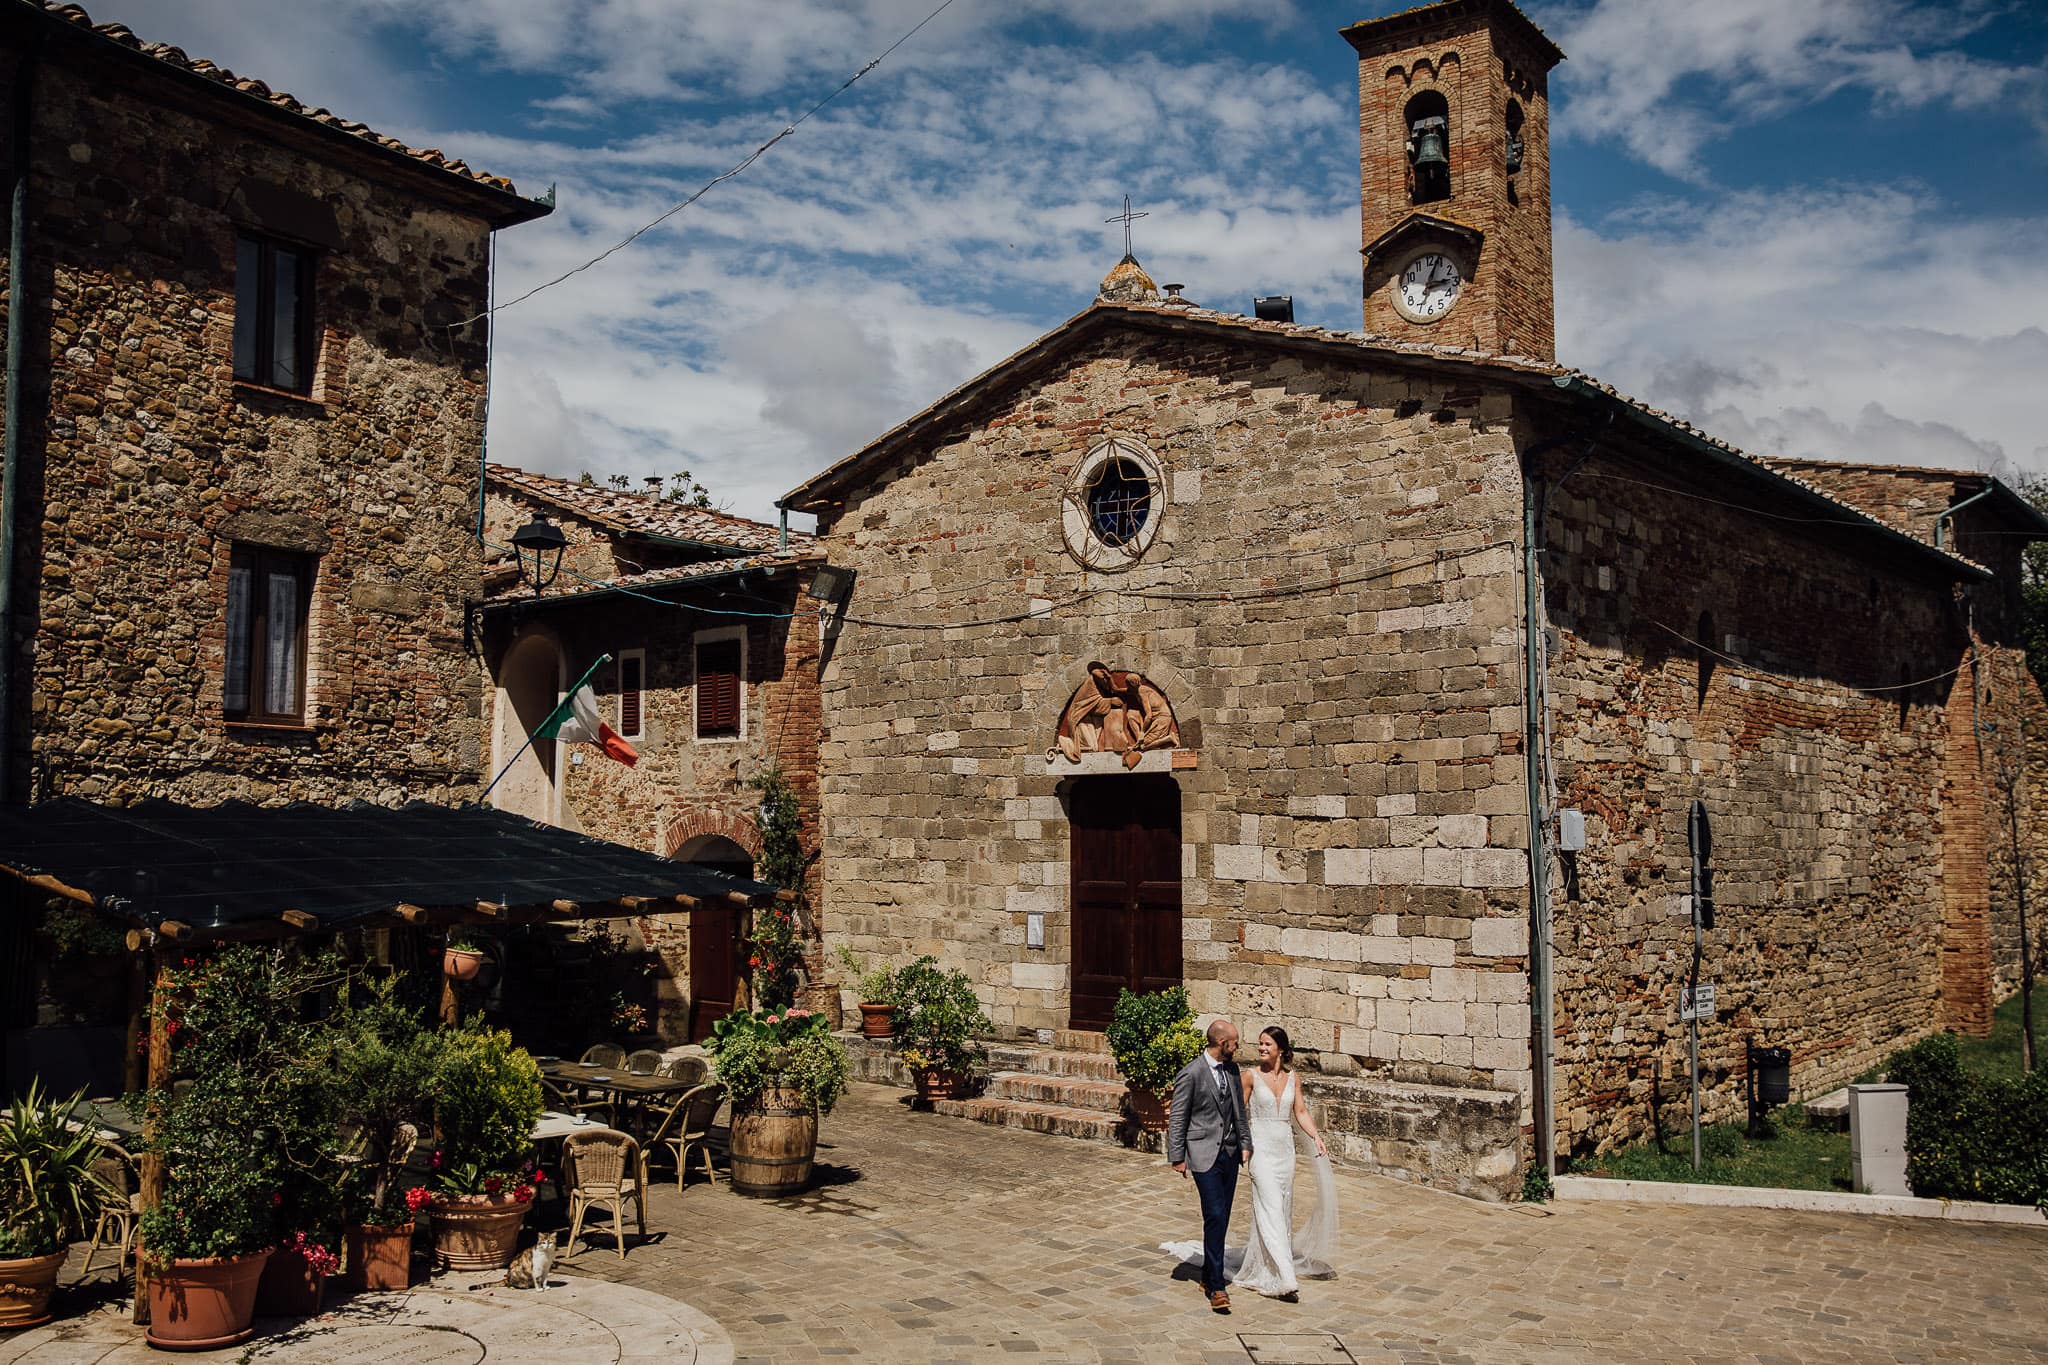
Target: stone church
(1367,682)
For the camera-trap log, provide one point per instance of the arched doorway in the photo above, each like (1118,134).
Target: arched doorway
(714,935)
(529,685)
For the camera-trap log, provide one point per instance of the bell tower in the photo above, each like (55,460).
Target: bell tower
(1454,176)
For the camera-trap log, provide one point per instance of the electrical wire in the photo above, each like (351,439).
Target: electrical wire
(1854,687)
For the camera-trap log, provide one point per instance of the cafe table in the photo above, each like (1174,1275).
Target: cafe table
(616,1081)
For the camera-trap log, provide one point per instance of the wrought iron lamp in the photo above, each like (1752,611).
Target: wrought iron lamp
(539,545)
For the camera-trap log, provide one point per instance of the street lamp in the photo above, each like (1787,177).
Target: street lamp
(539,545)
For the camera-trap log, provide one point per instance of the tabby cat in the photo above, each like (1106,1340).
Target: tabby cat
(529,1269)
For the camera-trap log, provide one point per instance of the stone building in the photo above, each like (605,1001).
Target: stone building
(1191,647)
(246,384)
(713,678)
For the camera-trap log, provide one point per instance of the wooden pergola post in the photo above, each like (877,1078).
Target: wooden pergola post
(451,1008)
(156,1077)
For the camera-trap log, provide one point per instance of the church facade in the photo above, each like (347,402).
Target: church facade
(1367,683)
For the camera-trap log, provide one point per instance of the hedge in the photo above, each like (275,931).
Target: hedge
(1968,1136)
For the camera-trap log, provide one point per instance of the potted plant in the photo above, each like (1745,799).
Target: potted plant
(463,958)
(244,1114)
(48,1194)
(1152,1036)
(874,992)
(938,1018)
(489,1099)
(782,1071)
(380,1065)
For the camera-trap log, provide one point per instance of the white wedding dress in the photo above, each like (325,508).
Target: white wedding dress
(1277,1256)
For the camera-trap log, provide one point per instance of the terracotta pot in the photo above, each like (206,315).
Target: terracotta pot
(25,1288)
(939,1085)
(290,1287)
(379,1258)
(774,1141)
(203,1305)
(476,1232)
(462,964)
(1149,1108)
(877,1021)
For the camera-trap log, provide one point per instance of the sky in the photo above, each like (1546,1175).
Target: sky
(1813,227)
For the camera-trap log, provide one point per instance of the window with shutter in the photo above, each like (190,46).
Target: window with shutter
(632,694)
(719,687)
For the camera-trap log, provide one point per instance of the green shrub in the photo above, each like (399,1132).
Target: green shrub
(938,1017)
(1152,1037)
(380,1064)
(1968,1136)
(748,1048)
(490,1098)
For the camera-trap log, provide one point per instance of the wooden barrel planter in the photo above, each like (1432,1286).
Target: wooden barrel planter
(774,1141)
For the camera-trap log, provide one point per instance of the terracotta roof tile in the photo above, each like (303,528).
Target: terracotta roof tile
(637,513)
(507,587)
(199,66)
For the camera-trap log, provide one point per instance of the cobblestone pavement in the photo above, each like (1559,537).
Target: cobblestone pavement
(934,1239)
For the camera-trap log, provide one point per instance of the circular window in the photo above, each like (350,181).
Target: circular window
(1113,505)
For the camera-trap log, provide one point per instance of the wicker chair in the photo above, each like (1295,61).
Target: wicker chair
(116,1226)
(564,1099)
(604,1054)
(686,1124)
(645,1062)
(684,1068)
(605,1167)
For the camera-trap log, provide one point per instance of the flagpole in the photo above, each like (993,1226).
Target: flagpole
(546,721)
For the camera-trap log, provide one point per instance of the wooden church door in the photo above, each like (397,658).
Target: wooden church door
(1126,891)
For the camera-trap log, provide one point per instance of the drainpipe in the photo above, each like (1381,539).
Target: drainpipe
(1542,990)
(1940,526)
(18,309)
(782,543)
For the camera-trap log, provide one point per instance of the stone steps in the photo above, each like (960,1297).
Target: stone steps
(1058,1119)
(1065,1091)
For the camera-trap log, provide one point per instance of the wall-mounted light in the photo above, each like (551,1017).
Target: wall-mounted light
(539,545)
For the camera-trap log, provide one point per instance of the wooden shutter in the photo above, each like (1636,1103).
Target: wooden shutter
(632,684)
(718,688)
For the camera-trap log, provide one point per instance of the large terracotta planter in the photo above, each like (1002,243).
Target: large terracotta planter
(462,964)
(204,1305)
(774,1141)
(290,1287)
(939,1085)
(379,1258)
(877,1021)
(476,1232)
(1149,1108)
(25,1288)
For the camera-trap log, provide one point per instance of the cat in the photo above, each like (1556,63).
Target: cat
(529,1269)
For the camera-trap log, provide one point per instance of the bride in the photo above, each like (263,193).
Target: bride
(1277,1256)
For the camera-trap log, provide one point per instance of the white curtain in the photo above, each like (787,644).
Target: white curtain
(235,687)
(281,646)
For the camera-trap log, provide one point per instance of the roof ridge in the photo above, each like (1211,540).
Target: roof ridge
(638,514)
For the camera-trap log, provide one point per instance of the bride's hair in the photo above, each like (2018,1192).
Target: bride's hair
(1279,1037)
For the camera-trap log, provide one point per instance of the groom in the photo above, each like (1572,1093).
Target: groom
(1209,1135)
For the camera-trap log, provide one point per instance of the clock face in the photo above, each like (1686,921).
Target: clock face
(1427,286)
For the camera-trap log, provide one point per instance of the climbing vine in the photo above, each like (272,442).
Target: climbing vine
(775,942)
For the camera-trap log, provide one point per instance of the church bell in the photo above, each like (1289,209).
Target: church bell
(1426,147)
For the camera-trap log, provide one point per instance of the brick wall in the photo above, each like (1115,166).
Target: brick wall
(146,463)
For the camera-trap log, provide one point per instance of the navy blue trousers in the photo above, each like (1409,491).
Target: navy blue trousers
(1217,1187)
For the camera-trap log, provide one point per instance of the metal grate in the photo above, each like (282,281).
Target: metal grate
(1295,1348)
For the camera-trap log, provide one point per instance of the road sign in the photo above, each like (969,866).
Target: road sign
(1696,1003)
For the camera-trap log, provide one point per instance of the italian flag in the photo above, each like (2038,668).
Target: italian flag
(576,721)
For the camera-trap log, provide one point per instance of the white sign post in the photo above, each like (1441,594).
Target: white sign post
(1696,1002)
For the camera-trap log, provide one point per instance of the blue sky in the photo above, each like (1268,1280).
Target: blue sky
(1813,226)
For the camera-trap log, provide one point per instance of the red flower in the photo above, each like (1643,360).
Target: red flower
(276,1200)
(418,1197)
(754,961)
(524,1194)
(492,1184)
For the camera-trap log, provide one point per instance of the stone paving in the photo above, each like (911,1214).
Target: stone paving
(935,1239)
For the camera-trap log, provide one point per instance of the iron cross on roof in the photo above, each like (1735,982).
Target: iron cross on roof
(1126,218)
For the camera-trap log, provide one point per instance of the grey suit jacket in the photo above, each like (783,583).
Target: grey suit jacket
(1195,1128)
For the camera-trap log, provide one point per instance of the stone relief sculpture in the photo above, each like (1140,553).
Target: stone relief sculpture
(1116,711)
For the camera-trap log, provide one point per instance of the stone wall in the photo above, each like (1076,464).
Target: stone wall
(1331,609)
(145,462)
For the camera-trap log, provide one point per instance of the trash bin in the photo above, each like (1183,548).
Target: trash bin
(1773,1067)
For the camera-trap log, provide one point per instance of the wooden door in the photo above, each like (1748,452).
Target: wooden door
(714,967)
(1126,891)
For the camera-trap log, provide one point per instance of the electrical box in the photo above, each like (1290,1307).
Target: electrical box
(1571,831)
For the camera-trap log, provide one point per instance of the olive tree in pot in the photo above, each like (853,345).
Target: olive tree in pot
(48,1195)
(380,1066)
(484,1175)
(1152,1036)
(938,1021)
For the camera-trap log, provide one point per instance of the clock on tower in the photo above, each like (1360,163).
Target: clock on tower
(1454,176)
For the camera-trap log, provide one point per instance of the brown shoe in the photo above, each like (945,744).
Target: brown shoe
(1219,1300)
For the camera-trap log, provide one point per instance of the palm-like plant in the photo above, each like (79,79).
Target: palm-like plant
(49,1191)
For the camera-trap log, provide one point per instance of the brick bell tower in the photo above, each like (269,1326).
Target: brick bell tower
(1454,176)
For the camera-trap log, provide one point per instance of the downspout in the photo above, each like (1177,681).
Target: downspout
(18,309)
(1940,539)
(782,542)
(1542,988)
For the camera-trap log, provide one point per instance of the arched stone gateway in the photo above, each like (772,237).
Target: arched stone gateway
(1116,711)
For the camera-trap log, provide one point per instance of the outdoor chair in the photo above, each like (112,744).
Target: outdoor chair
(116,1227)
(607,1168)
(565,1099)
(604,1054)
(684,1068)
(645,1062)
(686,1125)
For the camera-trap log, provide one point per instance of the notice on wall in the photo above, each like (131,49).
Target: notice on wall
(1696,1003)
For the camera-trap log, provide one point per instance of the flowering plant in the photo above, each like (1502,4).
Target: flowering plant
(627,1017)
(321,1260)
(471,1180)
(749,1048)
(775,940)
(418,1199)
(490,1098)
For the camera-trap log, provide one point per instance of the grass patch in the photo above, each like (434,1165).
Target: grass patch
(1790,1156)
(1998,1057)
